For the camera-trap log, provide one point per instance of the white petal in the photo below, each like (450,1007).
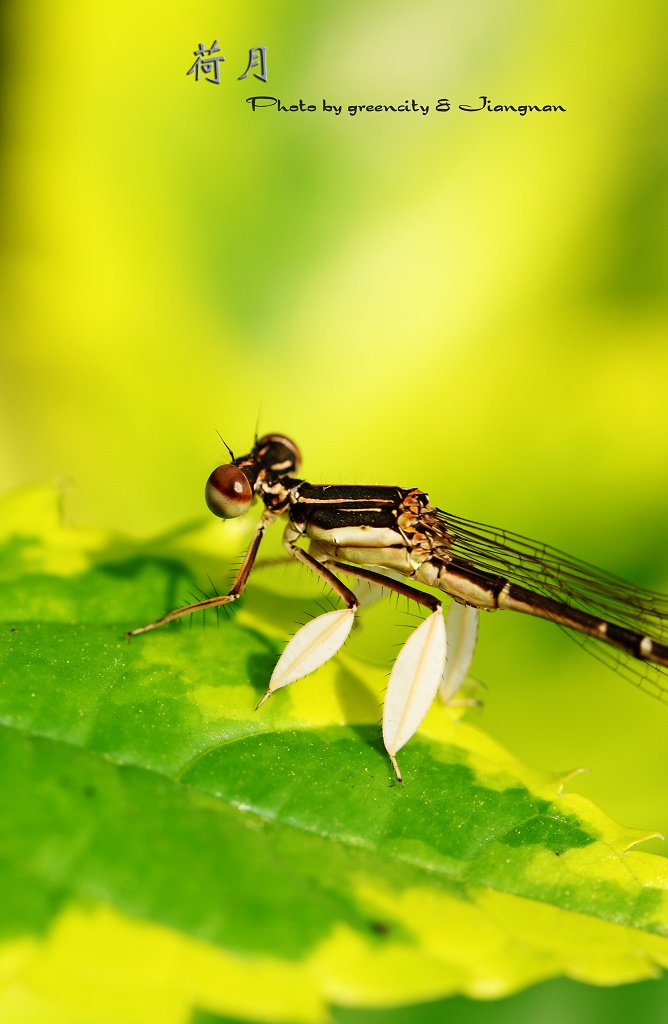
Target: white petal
(311,646)
(414,682)
(461,624)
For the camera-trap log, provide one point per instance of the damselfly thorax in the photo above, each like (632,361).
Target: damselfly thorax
(394,537)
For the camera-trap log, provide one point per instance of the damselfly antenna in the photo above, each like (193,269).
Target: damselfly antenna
(231,453)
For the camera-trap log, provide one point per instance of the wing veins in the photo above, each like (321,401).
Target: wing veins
(554,574)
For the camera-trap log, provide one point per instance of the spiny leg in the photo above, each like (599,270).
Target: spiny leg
(389,583)
(417,671)
(320,639)
(461,627)
(240,581)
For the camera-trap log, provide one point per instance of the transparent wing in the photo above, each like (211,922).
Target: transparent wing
(554,574)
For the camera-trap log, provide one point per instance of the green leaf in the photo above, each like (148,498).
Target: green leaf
(164,848)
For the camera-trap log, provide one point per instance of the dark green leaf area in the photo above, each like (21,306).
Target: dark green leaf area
(88,685)
(130,592)
(26,906)
(648,908)
(555,832)
(73,824)
(326,781)
(53,677)
(443,819)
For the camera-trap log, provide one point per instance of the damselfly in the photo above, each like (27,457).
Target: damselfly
(383,535)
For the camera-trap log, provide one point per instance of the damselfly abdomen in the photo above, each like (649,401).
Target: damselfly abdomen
(385,535)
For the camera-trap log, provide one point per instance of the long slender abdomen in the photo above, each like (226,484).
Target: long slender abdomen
(484,590)
(639,645)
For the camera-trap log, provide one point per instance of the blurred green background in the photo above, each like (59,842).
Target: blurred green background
(473,303)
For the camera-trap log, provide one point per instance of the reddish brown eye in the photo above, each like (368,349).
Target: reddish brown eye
(228,492)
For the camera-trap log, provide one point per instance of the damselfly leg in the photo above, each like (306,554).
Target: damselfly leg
(240,581)
(320,639)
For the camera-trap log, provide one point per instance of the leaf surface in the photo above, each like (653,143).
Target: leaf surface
(163,847)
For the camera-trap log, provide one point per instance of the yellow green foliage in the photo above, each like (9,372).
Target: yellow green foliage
(164,848)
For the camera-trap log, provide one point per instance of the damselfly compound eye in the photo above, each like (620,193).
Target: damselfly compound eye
(228,492)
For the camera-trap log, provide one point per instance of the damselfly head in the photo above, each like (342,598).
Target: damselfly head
(277,454)
(228,492)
